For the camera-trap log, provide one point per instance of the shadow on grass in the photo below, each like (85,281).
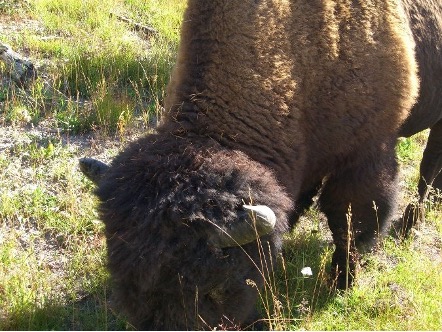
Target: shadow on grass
(92,312)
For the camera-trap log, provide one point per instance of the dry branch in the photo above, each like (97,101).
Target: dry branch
(22,70)
(149,31)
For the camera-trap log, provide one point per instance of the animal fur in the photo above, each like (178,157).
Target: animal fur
(425,19)
(166,273)
(314,90)
(269,100)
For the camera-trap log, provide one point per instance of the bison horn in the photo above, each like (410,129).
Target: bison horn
(93,169)
(262,221)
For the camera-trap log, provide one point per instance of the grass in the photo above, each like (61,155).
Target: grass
(100,76)
(99,66)
(51,250)
(392,292)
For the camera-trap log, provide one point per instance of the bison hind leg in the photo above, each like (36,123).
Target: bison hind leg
(430,178)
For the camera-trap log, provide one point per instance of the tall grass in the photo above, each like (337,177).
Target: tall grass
(398,286)
(101,72)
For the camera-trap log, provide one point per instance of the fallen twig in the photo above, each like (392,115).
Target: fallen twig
(137,26)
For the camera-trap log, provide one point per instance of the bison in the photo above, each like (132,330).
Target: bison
(425,19)
(269,101)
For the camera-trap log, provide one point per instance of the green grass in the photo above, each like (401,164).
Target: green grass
(394,294)
(51,244)
(400,290)
(100,76)
(99,66)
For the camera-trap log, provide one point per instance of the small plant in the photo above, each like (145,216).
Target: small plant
(11,7)
(3,93)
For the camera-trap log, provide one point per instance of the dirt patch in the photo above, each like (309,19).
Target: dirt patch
(93,144)
(427,240)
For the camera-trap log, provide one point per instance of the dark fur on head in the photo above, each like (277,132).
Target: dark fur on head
(161,198)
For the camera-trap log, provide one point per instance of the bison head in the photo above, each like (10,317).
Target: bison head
(186,226)
(261,222)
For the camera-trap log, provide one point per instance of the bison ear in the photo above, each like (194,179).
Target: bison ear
(261,221)
(93,169)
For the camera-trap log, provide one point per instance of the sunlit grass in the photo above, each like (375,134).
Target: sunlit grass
(52,250)
(398,286)
(91,50)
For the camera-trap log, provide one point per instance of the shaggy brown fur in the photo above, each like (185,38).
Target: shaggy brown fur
(302,87)
(269,100)
(161,200)
(295,84)
(426,22)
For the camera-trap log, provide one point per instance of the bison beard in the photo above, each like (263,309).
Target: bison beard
(269,102)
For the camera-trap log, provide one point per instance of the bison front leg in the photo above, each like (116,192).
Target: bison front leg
(359,202)
(303,203)
(430,177)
